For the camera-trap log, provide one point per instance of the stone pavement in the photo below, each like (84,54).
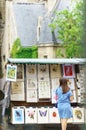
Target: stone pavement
(8,126)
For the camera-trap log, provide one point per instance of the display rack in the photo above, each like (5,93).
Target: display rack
(36,80)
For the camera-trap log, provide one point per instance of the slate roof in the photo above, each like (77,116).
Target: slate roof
(26,17)
(46,34)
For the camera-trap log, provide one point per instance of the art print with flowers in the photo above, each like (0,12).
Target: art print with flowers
(30,115)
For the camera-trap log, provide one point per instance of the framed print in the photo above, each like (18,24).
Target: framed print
(71,83)
(43,115)
(44,88)
(17,115)
(55,83)
(68,71)
(54,98)
(31,95)
(31,83)
(43,71)
(78,115)
(55,70)
(31,71)
(17,90)
(53,115)
(30,115)
(75,96)
(20,72)
(11,72)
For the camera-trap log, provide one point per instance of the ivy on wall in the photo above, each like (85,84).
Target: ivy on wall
(23,52)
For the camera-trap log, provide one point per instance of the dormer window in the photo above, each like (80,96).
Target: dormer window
(38,27)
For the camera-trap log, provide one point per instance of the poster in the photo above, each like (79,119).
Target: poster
(17,115)
(54,98)
(31,95)
(55,83)
(17,90)
(11,72)
(71,83)
(44,88)
(55,70)
(31,71)
(43,115)
(31,83)
(43,81)
(20,72)
(30,115)
(78,115)
(43,71)
(75,96)
(53,115)
(68,71)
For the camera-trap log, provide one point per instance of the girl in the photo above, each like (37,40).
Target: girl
(65,96)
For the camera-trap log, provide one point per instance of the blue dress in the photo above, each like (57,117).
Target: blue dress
(64,106)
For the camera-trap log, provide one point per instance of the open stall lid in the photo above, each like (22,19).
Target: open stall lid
(48,61)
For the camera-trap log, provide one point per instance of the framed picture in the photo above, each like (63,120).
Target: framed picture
(17,90)
(20,72)
(68,71)
(43,115)
(32,83)
(31,71)
(43,71)
(54,98)
(31,95)
(78,115)
(11,72)
(44,88)
(55,82)
(18,115)
(71,83)
(30,115)
(55,70)
(53,115)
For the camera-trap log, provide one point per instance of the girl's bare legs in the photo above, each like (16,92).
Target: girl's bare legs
(64,124)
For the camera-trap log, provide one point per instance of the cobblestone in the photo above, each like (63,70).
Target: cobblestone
(8,126)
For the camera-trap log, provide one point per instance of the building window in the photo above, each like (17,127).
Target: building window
(45,56)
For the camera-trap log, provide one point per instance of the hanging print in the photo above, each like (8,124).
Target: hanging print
(68,71)
(17,90)
(78,115)
(31,95)
(43,115)
(31,71)
(44,88)
(30,115)
(18,115)
(43,81)
(55,70)
(20,72)
(11,72)
(53,115)
(71,83)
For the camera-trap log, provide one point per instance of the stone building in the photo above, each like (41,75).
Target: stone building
(29,20)
(2,21)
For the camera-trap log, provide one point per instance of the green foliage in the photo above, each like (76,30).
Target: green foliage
(23,52)
(69,27)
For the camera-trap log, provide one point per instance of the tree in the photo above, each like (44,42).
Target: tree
(23,52)
(68,24)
